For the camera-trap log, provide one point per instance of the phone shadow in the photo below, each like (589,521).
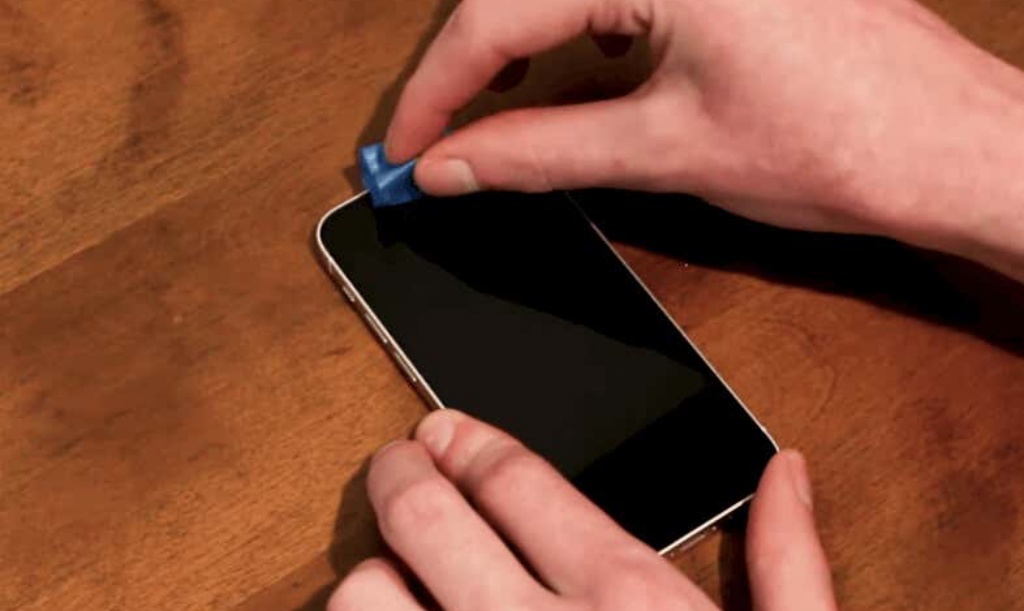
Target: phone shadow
(942,289)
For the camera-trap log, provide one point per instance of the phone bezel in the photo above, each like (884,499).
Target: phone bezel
(413,376)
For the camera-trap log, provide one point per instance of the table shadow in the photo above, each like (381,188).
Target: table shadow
(942,289)
(355,537)
(734,585)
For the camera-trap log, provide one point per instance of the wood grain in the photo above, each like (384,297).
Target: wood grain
(186,403)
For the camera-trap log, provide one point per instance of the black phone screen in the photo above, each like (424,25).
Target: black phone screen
(514,309)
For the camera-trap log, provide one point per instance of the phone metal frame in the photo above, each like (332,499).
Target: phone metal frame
(420,384)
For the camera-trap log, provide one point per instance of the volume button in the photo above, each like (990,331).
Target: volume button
(376,328)
(348,293)
(405,366)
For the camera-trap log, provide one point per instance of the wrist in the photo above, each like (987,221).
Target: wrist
(982,199)
(960,188)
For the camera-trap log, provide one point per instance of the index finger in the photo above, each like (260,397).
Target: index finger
(479,39)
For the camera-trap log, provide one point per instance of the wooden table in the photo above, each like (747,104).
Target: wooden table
(186,402)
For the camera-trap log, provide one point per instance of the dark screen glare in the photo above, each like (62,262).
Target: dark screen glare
(514,309)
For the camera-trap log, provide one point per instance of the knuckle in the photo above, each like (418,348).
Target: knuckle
(607,16)
(478,27)
(542,180)
(672,129)
(630,18)
(418,505)
(471,20)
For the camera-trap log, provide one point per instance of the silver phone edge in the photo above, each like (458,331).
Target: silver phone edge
(376,326)
(420,384)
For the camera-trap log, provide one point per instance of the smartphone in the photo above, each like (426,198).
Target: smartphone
(514,308)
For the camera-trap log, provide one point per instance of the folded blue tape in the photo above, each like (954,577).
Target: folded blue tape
(388,184)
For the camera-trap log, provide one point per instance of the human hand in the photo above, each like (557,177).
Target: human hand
(448,502)
(865,116)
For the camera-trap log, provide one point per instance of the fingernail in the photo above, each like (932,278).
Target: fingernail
(448,177)
(801,480)
(389,148)
(436,432)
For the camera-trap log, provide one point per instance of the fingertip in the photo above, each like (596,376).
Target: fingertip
(397,146)
(782,494)
(786,561)
(413,128)
(390,151)
(788,470)
(437,429)
(393,137)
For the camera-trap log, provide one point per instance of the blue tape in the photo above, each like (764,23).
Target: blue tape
(388,184)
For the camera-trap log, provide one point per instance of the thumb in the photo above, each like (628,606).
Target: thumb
(786,563)
(611,143)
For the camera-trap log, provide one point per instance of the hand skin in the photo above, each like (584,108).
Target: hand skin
(861,116)
(448,501)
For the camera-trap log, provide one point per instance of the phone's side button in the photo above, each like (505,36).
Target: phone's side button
(348,293)
(376,328)
(405,366)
